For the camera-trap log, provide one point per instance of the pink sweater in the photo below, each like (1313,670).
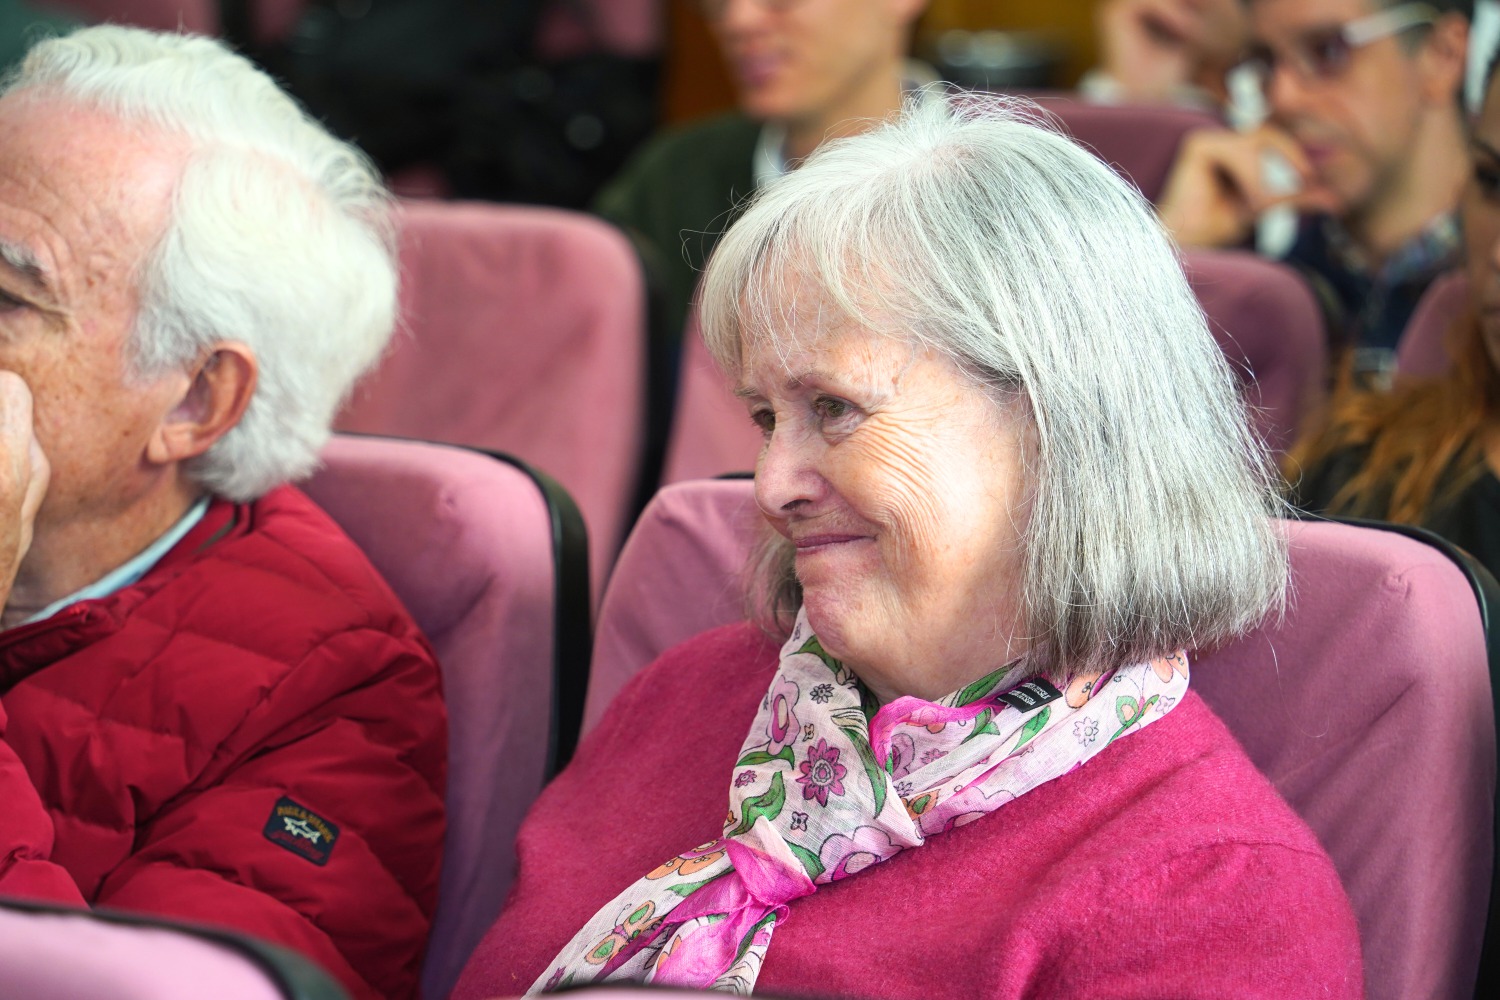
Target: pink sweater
(1165,867)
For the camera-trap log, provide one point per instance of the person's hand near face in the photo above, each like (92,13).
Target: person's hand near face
(23,477)
(1220,185)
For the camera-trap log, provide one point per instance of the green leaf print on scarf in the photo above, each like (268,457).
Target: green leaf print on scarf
(810,861)
(855,729)
(750,935)
(1130,711)
(1033,726)
(761,757)
(984,725)
(768,805)
(840,672)
(984,686)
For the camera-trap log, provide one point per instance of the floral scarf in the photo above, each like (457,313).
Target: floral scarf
(827,785)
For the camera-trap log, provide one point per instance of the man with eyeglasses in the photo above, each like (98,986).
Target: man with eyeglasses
(804,70)
(1365,123)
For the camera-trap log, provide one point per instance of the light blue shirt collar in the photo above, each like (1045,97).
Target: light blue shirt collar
(132,571)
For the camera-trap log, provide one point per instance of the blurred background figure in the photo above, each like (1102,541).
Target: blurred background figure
(804,71)
(1366,139)
(1166,51)
(1428,453)
(22,23)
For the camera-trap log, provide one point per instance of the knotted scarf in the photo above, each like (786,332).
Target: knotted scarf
(828,784)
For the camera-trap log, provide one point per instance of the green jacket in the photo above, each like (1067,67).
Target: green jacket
(677,196)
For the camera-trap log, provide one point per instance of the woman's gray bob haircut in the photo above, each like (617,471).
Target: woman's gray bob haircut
(969,226)
(279,236)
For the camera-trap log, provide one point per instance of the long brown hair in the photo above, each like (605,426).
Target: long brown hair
(1423,441)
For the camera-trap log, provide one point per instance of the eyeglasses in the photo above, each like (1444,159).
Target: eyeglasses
(714,9)
(1325,54)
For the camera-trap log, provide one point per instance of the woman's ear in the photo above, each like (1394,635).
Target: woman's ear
(217,395)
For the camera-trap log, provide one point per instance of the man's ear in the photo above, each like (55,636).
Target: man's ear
(217,395)
(1444,60)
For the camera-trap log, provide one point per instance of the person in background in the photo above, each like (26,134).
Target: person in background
(1366,138)
(1166,52)
(1429,452)
(805,71)
(211,706)
(958,748)
(22,23)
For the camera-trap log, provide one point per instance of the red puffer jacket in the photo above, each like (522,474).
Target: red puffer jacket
(253,735)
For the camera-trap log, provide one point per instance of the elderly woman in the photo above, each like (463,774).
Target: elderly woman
(1009,482)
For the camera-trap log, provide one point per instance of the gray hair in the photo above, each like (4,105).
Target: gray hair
(969,227)
(279,235)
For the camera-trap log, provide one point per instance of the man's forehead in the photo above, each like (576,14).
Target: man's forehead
(1277,20)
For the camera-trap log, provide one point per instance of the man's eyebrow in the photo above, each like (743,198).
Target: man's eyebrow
(22,259)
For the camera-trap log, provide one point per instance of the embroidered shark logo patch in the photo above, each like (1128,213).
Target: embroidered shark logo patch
(301,831)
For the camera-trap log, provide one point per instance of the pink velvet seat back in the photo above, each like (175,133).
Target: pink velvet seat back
(1369,707)
(522,331)
(78,955)
(199,17)
(1261,313)
(1269,326)
(1139,140)
(466,542)
(1423,350)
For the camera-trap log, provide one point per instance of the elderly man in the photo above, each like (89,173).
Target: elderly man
(216,709)
(1364,109)
(805,70)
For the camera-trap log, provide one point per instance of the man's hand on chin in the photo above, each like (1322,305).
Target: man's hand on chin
(23,477)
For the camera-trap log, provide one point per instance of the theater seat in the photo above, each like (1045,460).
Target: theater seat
(1140,141)
(488,557)
(199,17)
(1369,706)
(1260,312)
(1423,349)
(55,954)
(523,331)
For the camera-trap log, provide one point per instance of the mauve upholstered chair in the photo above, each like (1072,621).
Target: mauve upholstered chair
(1262,314)
(522,331)
(49,953)
(1423,349)
(489,560)
(1369,707)
(200,17)
(1140,141)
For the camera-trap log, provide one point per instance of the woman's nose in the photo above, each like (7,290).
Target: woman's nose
(787,480)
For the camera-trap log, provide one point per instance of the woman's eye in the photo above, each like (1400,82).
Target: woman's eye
(832,408)
(764,418)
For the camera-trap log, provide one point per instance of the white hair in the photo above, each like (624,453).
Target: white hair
(279,236)
(970,227)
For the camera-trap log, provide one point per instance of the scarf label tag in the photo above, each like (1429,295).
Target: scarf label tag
(1033,694)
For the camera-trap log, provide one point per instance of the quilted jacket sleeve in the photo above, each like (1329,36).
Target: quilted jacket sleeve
(318,825)
(26,836)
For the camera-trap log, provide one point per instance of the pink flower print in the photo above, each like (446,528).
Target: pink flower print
(928,756)
(744,779)
(782,725)
(929,716)
(822,773)
(843,856)
(1167,665)
(799,821)
(903,754)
